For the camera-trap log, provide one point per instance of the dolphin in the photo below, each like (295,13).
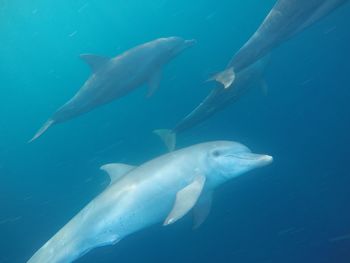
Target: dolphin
(286,19)
(162,190)
(113,78)
(217,100)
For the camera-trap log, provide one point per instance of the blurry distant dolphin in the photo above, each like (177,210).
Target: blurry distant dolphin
(286,19)
(112,78)
(218,99)
(162,190)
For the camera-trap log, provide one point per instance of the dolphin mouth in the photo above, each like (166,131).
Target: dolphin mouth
(261,158)
(190,42)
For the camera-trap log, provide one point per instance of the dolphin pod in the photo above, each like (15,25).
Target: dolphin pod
(286,19)
(113,78)
(217,100)
(165,189)
(162,190)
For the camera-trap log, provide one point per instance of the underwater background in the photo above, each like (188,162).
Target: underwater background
(295,210)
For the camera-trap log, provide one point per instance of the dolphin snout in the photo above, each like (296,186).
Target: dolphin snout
(267,158)
(264,159)
(254,159)
(190,42)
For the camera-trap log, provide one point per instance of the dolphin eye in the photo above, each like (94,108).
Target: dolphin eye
(216,153)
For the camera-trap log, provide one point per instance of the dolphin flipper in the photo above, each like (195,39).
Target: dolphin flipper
(154,82)
(185,200)
(226,77)
(43,129)
(264,87)
(202,209)
(168,137)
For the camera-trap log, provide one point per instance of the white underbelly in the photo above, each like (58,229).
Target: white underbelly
(143,212)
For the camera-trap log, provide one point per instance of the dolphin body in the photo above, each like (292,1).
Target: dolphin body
(217,100)
(286,19)
(162,190)
(113,78)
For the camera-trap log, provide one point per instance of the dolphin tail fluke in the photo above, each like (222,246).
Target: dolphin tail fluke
(168,137)
(226,77)
(42,130)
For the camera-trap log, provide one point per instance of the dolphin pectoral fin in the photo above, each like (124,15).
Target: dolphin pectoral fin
(154,82)
(42,130)
(185,200)
(226,77)
(116,170)
(202,209)
(94,61)
(264,87)
(168,137)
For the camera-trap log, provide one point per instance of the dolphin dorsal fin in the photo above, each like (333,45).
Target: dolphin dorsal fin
(226,77)
(185,200)
(116,170)
(94,61)
(168,137)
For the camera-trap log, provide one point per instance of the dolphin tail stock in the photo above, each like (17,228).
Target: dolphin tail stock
(168,137)
(43,129)
(226,77)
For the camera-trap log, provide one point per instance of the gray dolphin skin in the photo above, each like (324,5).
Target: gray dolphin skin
(286,19)
(113,78)
(162,190)
(217,100)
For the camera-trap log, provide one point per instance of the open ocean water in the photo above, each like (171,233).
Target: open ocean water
(296,210)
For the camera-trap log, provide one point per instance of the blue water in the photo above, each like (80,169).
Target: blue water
(295,210)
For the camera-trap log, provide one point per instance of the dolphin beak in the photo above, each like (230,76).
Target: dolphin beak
(255,159)
(266,159)
(190,42)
